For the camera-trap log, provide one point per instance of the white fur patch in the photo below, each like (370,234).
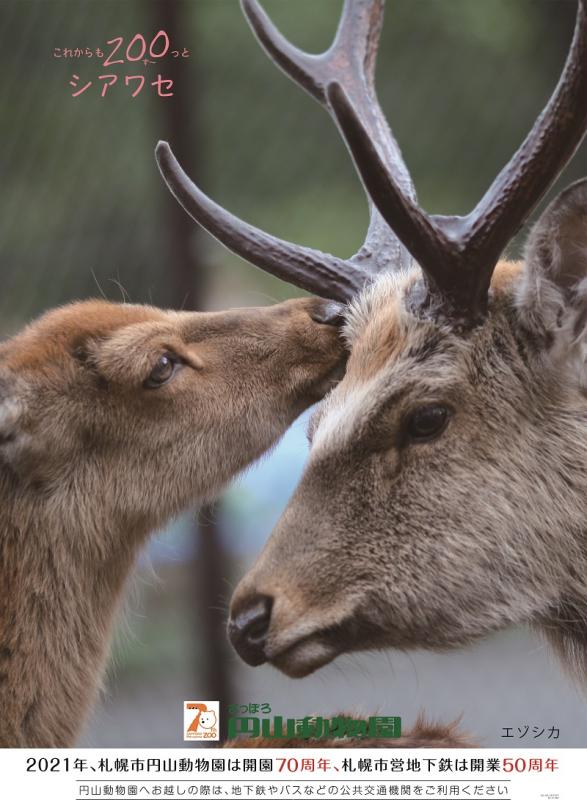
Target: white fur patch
(341,416)
(375,298)
(346,406)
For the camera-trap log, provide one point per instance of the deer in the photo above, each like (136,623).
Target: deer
(114,418)
(445,493)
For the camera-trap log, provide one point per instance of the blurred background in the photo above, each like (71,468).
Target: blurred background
(83,212)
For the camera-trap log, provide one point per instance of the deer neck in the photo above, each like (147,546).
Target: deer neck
(62,570)
(566,631)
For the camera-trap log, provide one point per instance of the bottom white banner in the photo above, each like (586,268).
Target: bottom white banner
(556,774)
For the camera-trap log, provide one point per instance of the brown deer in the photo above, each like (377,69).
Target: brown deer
(114,418)
(446,491)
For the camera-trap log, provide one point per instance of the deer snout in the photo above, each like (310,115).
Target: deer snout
(247,629)
(328,312)
(273,621)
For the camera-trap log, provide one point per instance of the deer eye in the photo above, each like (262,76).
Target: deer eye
(427,422)
(162,372)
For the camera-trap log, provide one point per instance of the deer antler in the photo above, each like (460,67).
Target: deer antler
(457,254)
(350,61)
(319,273)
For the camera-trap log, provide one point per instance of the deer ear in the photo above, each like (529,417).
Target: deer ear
(10,413)
(553,295)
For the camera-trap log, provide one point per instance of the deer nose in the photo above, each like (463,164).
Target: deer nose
(328,312)
(247,629)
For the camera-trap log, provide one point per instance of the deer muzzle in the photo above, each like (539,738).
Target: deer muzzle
(248,628)
(275,624)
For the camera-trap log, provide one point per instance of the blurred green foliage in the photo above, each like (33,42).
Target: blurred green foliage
(82,204)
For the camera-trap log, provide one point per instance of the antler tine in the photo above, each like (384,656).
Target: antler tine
(349,61)
(317,272)
(305,69)
(551,143)
(353,51)
(458,254)
(415,228)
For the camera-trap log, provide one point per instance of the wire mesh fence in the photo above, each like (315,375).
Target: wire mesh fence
(84,211)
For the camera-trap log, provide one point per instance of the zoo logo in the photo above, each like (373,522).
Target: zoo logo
(201,721)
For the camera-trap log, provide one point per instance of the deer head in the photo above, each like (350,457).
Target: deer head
(446,490)
(150,393)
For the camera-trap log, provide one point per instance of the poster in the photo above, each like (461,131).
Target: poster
(257,492)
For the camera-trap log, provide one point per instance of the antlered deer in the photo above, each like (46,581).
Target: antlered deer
(446,491)
(114,418)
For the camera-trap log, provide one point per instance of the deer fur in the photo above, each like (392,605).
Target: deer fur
(91,461)
(391,542)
